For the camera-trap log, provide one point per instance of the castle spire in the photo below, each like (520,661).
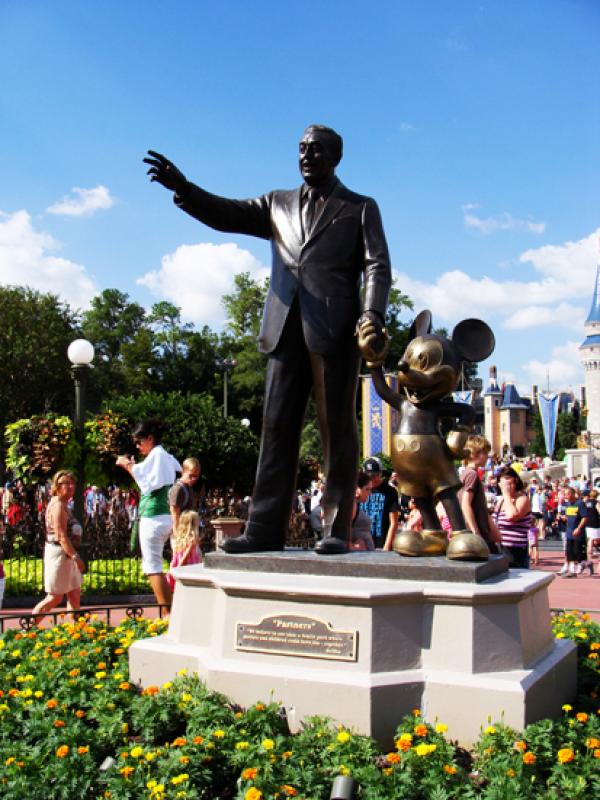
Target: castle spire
(594,315)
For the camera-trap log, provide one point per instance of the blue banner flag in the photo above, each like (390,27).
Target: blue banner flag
(464,396)
(548,405)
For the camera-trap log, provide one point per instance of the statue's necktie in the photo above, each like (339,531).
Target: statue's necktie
(310,211)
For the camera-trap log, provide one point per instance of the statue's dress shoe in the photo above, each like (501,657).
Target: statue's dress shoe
(247,543)
(420,543)
(330,546)
(467,546)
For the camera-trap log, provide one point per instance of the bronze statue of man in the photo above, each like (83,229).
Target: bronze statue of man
(328,244)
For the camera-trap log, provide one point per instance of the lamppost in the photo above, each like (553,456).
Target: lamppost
(81,355)
(225,365)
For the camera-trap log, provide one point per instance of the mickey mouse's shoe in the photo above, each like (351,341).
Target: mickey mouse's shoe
(467,546)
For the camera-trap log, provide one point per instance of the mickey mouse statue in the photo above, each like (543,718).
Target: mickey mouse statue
(422,458)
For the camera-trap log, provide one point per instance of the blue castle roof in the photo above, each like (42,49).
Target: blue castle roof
(511,398)
(594,315)
(593,340)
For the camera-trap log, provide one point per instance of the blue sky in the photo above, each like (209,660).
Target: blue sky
(475,125)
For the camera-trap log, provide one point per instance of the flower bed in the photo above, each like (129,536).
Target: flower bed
(66,704)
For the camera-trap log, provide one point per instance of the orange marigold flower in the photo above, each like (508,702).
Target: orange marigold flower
(59,723)
(404,743)
(289,790)
(582,716)
(83,750)
(13,692)
(150,690)
(74,673)
(592,743)
(80,714)
(179,742)
(184,759)
(521,746)
(392,758)
(197,740)
(259,707)
(597,753)
(421,730)
(62,751)
(450,769)
(52,703)
(528,758)
(565,755)
(510,773)
(126,771)
(249,773)
(119,651)
(124,685)
(416,712)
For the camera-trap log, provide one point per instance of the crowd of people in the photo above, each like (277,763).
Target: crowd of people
(165,506)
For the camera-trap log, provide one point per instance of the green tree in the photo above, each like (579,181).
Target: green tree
(35,333)
(244,314)
(398,330)
(112,324)
(226,449)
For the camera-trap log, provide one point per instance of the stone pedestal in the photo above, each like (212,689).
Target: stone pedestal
(461,641)
(226,528)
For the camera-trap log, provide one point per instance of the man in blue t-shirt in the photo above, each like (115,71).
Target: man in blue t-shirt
(381,506)
(574,518)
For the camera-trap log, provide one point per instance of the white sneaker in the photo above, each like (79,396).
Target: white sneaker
(564,570)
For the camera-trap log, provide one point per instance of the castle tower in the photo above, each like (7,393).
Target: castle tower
(492,400)
(589,354)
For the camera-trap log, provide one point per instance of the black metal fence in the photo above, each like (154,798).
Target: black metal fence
(113,563)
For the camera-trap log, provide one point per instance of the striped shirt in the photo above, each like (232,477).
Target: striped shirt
(515,533)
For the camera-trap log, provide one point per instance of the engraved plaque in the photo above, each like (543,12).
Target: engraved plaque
(291,635)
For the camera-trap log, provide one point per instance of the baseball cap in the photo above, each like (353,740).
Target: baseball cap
(372,466)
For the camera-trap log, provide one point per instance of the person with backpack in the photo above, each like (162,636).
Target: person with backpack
(182,496)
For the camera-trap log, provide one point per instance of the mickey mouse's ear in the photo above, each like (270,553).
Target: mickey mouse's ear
(421,324)
(473,339)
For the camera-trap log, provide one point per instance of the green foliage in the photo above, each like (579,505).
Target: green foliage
(37,446)
(35,333)
(244,305)
(67,703)
(227,451)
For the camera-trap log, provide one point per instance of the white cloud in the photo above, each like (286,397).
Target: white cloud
(407,127)
(501,222)
(564,314)
(195,277)
(566,273)
(563,368)
(83,202)
(26,260)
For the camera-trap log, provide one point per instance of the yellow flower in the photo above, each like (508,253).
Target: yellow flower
(62,751)
(180,779)
(425,749)
(219,734)
(100,674)
(242,745)
(186,697)
(567,708)
(565,755)
(253,794)
(167,685)
(343,736)
(268,744)
(344,770)
(490,730)
(38,694)
(10,760)
(510,773)
(137,752)
(441,728)
(559,636)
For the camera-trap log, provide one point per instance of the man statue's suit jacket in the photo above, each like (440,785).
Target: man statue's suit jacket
(324,272)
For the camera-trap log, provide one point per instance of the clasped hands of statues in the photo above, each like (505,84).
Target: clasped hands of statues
(373,341)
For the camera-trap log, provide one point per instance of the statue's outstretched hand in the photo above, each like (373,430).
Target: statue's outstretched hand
(373,341)
(165,172)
